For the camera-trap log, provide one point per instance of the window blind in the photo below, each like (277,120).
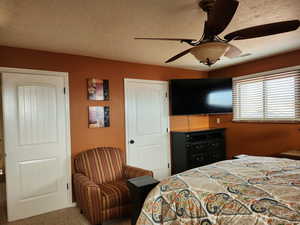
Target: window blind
(272,97)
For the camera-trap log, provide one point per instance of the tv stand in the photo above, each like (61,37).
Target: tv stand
(197,147)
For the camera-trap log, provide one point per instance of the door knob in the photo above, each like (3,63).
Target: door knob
(131,141)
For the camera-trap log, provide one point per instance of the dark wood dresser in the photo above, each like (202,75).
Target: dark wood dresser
(196,148)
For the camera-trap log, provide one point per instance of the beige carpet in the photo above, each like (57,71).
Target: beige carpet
(70,216)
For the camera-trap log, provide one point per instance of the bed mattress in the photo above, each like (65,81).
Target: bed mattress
(248,191)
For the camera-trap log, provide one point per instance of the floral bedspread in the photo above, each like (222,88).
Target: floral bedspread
(248,191)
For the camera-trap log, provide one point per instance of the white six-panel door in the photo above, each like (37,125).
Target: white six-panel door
(147,123)
(35,144)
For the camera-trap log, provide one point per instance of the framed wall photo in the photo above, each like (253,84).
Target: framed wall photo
(98,116)
(98,89)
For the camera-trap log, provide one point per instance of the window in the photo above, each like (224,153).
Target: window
(267,97)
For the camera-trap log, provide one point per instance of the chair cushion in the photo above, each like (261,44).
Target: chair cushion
(101,165)
(114,194)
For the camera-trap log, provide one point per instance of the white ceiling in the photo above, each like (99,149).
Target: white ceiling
(105,28)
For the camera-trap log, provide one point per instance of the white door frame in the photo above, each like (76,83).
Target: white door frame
(126,80)
(65,76)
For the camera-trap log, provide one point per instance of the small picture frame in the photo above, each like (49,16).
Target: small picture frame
(99,116)
(98,90)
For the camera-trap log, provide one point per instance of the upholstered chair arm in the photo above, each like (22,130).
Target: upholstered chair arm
(88,197)
(132,172)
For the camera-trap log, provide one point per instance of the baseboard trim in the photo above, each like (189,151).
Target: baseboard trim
(73,204)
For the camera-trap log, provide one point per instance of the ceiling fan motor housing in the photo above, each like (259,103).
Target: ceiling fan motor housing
(207,5)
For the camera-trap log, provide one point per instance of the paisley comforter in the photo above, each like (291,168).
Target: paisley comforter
(248,191)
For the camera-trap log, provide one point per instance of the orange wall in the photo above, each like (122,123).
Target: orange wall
(254,138)
(189,122)
(248,138)
(80,68)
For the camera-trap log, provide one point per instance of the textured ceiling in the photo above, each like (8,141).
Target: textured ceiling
(105,28)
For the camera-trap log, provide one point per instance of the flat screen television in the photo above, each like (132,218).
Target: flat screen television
(201,96)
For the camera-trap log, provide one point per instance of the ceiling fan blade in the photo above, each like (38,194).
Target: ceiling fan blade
(179,55)
(220,16)
(264,30)
(233,52)
(166,39)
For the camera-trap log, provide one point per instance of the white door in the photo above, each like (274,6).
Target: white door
(147,125)
(35,144)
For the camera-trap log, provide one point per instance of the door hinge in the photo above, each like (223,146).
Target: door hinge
(67,186)
(64,90)
(166,94)
(168,165)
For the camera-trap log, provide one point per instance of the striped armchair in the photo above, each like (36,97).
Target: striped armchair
(100,184)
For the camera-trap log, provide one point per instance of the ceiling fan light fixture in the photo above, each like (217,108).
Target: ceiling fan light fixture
(209,53)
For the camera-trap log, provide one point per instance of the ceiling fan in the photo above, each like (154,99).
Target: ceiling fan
(210,48)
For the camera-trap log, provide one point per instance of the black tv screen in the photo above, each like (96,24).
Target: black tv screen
(201,96)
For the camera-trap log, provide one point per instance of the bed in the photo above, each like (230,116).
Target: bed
(248,191)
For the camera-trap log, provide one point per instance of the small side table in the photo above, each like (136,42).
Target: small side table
(139,188)
(292,154)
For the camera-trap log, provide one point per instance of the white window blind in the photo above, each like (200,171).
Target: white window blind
(272,97)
